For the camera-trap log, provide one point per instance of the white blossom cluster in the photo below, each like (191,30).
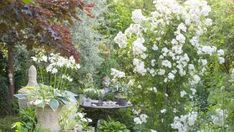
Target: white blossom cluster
(184,122)
(140,118)
(117,74)
(218,118)
(55,61)
(182,53)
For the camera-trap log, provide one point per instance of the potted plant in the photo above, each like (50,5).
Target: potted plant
(121,99)
(120,91)
(48,103)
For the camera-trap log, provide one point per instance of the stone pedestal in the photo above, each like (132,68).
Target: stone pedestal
(48,119)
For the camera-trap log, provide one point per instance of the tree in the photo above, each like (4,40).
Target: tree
(42,23)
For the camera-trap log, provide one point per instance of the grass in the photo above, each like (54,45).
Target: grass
(6,123)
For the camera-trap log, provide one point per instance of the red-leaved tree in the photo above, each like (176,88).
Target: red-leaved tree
(38,23)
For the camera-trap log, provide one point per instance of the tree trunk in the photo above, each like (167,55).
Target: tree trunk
(10,69)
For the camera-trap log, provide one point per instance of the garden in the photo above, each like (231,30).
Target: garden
(117,66)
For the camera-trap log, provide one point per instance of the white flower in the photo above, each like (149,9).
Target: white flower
(182,93)
(181,38)
(34,59)
(155,47)
(143,118)
(163,111)
(204,62)
(193,91)
(78,66)
(153,62)
(54,71)
(152,72)
(171,76)
(136,112)
(44,58)
(194,41)
(154,89)
(208,22)
(121,40)
(89,120)
(72,60)
(219,117)
(161,72)
(133,29)
(144,56)
(182,27)
(117,74)
(221,60)
(205,10)
(174,42)
(81,115)
(220,52)
(139,66)
(166,63)
(191,67)
(184,122)
(192,118)
(138,47)
(151,130)
(195,80)
(209,49)
(137,120)
(67,78)
(137,16)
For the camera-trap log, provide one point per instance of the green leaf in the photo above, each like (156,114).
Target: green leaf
(21,96)
(54,104)
(27,1)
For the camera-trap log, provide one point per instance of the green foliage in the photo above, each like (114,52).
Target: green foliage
(6,123)
(71,117)
(111,126)
(27,121)
(117,17)
(22,57)
(43,95)
(87,38)
(27,1)
(222,33)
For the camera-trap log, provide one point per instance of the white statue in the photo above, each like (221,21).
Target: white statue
(32,76)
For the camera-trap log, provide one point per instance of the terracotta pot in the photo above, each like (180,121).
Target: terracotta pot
(48,119)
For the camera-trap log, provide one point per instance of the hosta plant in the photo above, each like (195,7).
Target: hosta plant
(44,95)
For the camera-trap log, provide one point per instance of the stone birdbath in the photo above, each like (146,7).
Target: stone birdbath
(90,104)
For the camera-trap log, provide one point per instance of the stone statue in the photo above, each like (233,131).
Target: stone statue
(32,76)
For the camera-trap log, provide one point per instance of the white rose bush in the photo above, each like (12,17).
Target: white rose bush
(167,50)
